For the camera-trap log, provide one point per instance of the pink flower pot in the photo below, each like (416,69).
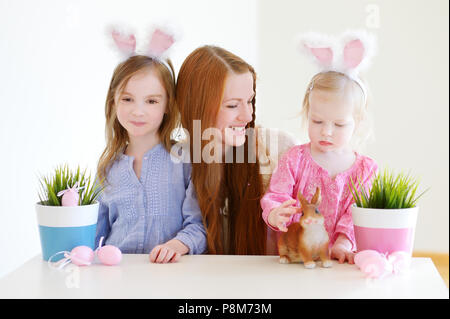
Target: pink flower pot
(384,230)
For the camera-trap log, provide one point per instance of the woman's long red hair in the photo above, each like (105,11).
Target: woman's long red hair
(199,94)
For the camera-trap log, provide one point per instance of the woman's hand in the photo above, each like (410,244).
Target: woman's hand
(279,216)
(342,250)
(170,251)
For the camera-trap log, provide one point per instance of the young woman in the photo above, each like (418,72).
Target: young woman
(216,92)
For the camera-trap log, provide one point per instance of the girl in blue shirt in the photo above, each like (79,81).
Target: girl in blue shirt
(149,203)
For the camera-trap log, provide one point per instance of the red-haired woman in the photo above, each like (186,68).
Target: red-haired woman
(232,160)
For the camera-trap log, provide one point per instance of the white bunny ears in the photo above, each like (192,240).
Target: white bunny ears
(160,40)
(349,53)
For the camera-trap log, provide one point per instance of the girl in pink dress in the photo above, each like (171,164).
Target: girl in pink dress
(335,109)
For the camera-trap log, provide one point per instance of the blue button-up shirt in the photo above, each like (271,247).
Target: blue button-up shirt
(136,215)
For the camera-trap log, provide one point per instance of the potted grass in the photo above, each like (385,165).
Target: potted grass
(67,210)
(385,216)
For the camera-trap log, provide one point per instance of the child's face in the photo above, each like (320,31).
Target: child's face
(236,109)
(330,120)
(141,106)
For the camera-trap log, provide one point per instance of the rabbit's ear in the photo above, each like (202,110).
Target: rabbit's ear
(319,47)
(316,198)
(125,43)
(302,200)
(160,42)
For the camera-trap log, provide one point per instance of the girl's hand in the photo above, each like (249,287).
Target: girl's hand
(341,250)
(279,216)
(168,252)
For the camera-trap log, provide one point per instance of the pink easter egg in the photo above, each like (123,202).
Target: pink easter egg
(109,255)
(70,198)
(374,267)
(363,255)
(400,261)
(82,255)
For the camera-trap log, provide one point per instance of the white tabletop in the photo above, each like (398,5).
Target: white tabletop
(210,277)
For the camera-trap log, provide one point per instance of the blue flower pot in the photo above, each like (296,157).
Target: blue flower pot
(62,228)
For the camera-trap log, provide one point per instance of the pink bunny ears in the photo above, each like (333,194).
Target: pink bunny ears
(159,41)
(349,53)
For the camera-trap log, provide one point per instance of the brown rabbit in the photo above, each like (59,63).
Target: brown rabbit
(307,240)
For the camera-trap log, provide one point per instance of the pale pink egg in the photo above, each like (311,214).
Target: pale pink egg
(363,255)
(400,261)
(70,198)
(109,255)
(374,267)
(82,255)
(372,263)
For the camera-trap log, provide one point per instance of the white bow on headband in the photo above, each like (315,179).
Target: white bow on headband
(349,53)
(159,43)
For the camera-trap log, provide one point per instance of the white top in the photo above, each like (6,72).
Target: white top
(217,276)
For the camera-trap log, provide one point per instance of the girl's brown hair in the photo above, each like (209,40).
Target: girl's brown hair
(200,87)
(116,135)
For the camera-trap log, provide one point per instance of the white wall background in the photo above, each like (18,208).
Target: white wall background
(56,66)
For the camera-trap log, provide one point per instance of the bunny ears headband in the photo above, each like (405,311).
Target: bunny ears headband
(159,42)
(349,53)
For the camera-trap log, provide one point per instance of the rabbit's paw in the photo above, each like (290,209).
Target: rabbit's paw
(310,265)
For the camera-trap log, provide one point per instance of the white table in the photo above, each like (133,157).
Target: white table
(209,276)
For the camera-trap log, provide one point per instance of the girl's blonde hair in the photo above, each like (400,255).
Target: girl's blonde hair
(116,134)
(335,82)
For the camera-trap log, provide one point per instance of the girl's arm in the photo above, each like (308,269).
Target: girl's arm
(344,225)
(193,234)
(282,183)
(103,226)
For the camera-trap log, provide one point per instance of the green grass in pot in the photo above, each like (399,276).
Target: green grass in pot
(63,178)
(388,191)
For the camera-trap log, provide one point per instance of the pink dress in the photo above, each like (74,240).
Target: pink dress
(298,171)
